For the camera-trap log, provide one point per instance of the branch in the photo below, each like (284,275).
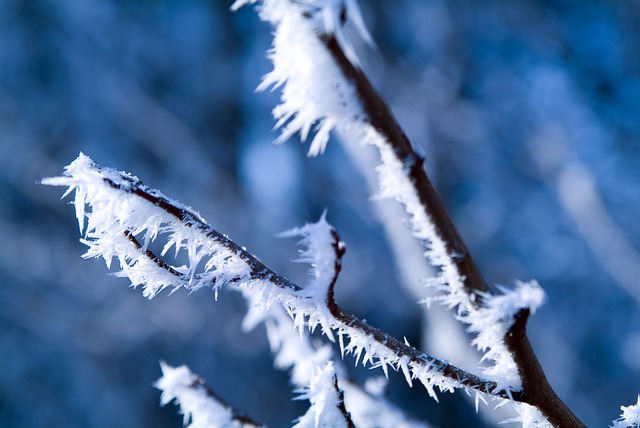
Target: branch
(536,389)
(341,405)
(299,355)
(327,401)
(121,207)
(381,118)
(201,407)
(340,249)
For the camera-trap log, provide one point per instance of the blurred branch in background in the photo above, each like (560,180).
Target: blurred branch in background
(578,195)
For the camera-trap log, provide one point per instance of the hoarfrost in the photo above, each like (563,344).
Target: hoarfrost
(199,408)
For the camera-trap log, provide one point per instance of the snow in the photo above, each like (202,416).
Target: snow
(491,322)
(318,250)
(630,417)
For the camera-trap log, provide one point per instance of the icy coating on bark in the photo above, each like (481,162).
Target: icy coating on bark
(199,408)
(123,217)
(529,417)
(121,224)
(323,394)
(301,356)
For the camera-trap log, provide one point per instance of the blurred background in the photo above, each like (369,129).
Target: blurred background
(528,113)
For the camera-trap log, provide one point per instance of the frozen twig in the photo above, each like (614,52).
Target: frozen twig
(327,401)
(299,354)
(120,206)
(201,407)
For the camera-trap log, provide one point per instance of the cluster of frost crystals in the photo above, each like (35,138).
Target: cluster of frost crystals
(630,417)
(297,353)
(529,417)
(372,411)
(395,184)
(490,324)
(366,348)
(318,240)
(120,224)
(301,356)
(199,408)
(317,249)
(323,394)
(314,91)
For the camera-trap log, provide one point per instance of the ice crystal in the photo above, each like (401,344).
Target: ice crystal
(200,409)
(630,417)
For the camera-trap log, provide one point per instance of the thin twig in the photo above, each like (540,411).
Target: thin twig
(191,219)
(340,249)
(238,416)
(151,256)
(341,405)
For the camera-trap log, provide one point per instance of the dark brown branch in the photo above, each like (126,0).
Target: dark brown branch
(151,256)
(341,405)
(190,219)
(340,249)
(536,388)
(380,117)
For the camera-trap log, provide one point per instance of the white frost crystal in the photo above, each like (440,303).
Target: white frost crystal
(199,408)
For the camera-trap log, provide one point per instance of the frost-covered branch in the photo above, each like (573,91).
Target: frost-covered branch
(120,206)
(322,83)
(327,401)
(201,407)
(123,210)
(301,356)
